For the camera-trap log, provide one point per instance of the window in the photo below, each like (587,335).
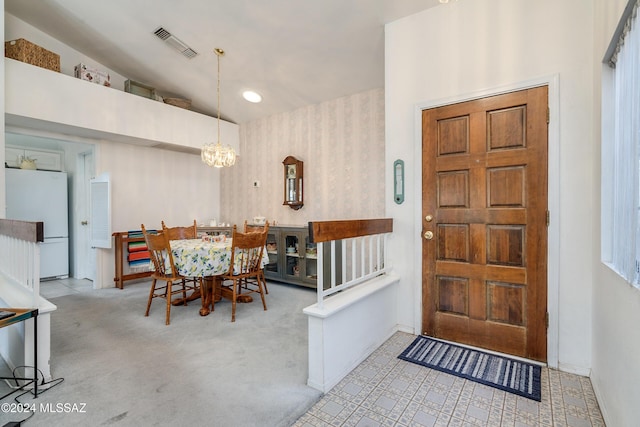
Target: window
(620,149)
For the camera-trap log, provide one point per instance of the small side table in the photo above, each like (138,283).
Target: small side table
(21,315)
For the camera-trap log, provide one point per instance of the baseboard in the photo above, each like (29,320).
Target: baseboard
(572,369)
(601,401)
(407,329)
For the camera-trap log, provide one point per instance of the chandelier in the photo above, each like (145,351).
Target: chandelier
(217,155)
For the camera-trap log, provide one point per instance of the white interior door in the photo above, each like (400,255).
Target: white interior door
(86,254)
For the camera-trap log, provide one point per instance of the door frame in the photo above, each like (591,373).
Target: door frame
(553,231)
(85,261)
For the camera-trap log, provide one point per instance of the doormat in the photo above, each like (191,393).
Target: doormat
(503,373)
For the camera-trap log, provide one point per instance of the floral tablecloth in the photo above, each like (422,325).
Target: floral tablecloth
(197,258)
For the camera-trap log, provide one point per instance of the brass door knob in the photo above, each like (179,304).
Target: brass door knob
(428,235)
(428,218)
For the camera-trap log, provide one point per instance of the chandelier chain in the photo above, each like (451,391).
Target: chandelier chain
(219,53)
(215,154)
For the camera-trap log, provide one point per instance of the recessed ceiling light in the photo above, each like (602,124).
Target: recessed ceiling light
(251,96)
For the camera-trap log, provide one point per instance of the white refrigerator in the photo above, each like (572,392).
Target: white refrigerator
(34,195)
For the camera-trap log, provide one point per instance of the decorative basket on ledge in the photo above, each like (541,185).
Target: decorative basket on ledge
(30,53)
(178,102)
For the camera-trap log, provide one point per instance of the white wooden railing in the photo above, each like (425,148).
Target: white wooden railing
(20,254)
(353,255)
(20,288)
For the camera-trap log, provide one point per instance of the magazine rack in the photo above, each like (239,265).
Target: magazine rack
(122,238)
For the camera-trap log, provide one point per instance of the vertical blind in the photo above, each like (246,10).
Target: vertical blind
(624,56)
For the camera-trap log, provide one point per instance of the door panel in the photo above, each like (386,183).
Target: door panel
(484,222)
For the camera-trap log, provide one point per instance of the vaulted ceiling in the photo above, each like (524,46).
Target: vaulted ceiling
(293,52)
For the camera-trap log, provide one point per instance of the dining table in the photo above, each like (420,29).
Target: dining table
(208,260)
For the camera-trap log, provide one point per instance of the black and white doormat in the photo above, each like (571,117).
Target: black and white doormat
(506,374)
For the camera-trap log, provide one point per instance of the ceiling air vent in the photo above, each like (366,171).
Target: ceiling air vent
(174,42)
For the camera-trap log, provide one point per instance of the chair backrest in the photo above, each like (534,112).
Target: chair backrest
(181,233)
(159,252)
(253,228)
(246,252)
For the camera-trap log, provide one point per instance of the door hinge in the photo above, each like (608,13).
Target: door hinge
(548,219)
(546,319)
(548,115)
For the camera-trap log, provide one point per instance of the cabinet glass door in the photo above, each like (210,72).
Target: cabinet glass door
(292,263)
(272,251)
(310,262)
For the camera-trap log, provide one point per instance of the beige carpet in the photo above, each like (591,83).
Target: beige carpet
(131,370)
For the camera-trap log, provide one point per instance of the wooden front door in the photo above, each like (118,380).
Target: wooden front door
(484,223)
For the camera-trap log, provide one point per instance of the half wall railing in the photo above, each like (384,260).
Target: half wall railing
(358,252)
(20,254)
(356,309)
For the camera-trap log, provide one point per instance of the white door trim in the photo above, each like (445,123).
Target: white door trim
(553,236)
(86,255)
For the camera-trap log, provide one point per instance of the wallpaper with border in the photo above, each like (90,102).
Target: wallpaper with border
(341,143)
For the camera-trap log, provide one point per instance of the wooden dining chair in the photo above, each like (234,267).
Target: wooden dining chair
(245,268)
(254,228)
(182,233)
(164,271)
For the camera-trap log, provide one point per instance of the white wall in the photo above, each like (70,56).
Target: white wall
(150,185)
(473,46)
(616,312)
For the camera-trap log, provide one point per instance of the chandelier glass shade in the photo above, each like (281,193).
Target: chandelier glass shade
(215,154)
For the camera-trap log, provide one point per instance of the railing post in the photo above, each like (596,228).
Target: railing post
(344,260)
(354,258)
(35,273)
(363,248)
(320,281)
(333,264)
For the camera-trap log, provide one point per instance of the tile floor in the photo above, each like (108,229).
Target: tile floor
(386,391)
(60,287)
